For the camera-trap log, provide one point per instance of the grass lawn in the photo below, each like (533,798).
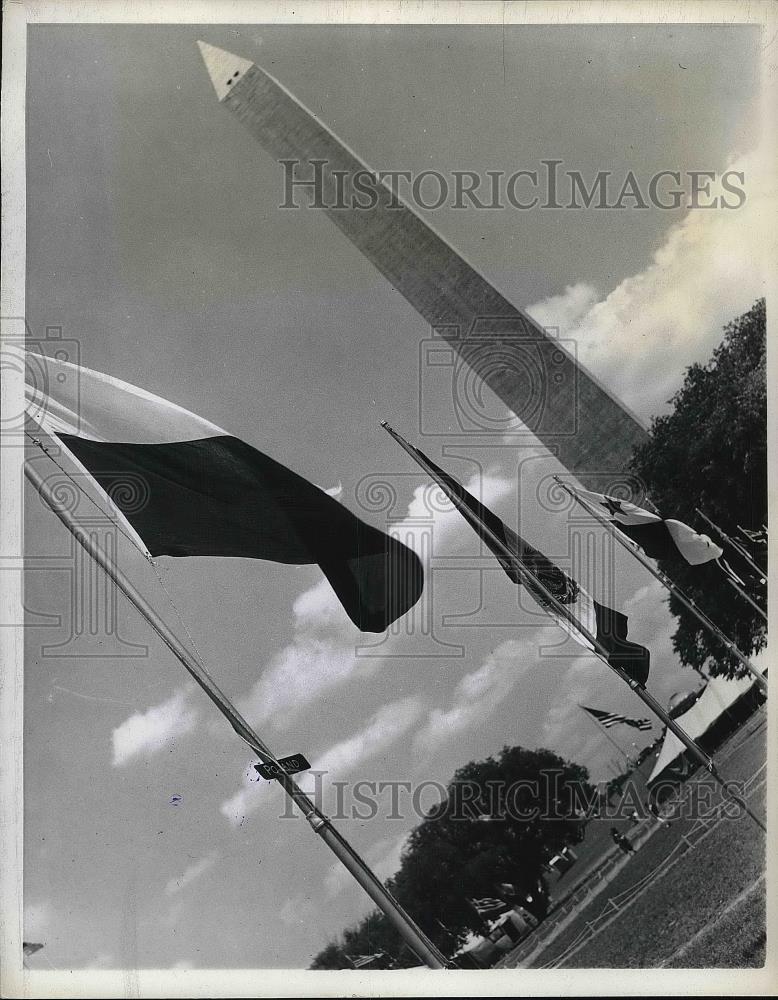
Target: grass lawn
(680,907)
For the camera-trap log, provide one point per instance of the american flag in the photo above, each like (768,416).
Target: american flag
(608,719)
(489,906)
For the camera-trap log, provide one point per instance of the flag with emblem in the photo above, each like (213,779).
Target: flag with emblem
(659,537)
(609,627)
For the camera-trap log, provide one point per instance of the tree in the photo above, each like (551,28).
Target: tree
(501,820)
(331,957)
(373,934)
(711,452)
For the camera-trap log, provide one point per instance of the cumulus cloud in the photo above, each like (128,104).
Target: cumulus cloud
(476,695)
(322,653)
(321,656)
(710,268)
(564,728)
(240,805)
(385,727)
(191,873)
(489,487)
(151,731)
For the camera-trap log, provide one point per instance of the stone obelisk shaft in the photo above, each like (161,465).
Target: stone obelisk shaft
(589,431)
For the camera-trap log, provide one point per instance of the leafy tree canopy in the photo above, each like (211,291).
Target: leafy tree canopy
(711,452)
(501,820)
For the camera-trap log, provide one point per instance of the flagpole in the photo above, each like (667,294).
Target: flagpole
(668,583)
(746,597)
(735,544)
(748,537)
(738,584)
(532,582)
(318,821)
(604,732)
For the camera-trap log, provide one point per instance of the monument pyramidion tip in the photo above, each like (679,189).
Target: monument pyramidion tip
(224,68)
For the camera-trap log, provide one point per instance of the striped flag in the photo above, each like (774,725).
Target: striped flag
(181,486)
(659,537)
(489,906)
(609,627)
(608,719)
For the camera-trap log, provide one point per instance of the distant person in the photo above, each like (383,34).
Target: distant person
(621,841)
(634,818)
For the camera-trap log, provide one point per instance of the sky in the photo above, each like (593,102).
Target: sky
(155,242)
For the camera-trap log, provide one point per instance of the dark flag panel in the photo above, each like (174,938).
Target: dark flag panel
(187,488)
(629,656)
(218,496)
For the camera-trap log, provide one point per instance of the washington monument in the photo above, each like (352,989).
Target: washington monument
(566,409)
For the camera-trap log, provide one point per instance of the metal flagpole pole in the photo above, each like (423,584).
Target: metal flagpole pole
(533,583)
(746,597)
(735,544)
(604,732)
(320,823)
(668,583)
(734,580)
(727,570)
(748,536)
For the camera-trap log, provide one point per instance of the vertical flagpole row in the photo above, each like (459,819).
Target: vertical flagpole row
(668,584)
(746,597)
(319,822)
(739,585)
(533,583)
(733,543)
(650,701)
